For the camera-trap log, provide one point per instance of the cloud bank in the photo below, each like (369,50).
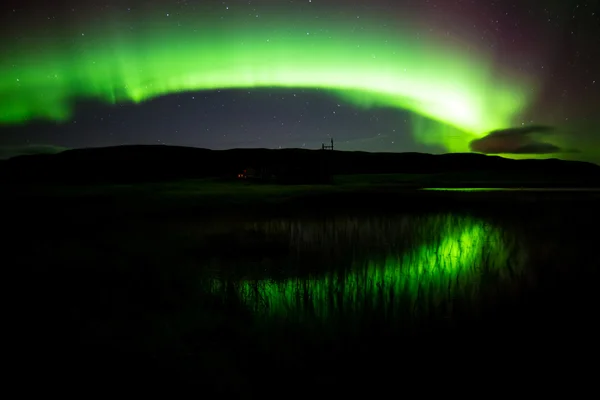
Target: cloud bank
(521,140)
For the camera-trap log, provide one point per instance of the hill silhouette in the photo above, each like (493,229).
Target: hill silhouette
(147,163)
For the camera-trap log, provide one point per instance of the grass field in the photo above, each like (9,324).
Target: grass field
(224,195)
(230,287)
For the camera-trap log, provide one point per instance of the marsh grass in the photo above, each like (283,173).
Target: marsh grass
(217,296)
(399,270)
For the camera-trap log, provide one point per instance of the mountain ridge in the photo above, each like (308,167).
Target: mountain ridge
(163,162)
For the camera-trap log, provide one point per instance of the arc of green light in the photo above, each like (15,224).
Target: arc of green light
(366,69)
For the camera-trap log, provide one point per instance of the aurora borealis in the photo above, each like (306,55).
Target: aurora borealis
(439,83)
(447,89)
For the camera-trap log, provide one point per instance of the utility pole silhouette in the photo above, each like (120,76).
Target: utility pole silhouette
(323,147)
(326,163)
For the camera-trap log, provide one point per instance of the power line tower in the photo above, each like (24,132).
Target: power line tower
(330,147)
(326,161)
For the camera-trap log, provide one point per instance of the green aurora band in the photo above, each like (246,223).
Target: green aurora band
(457,95)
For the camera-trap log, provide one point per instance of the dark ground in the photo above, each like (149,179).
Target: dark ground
(105,258)
(127,164)
(96,272)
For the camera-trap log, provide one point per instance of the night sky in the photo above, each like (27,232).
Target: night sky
(515,77)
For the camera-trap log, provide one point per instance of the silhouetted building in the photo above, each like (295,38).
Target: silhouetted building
(248,173)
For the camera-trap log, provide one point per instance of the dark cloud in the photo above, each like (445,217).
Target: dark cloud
(13,151)
(517,141)
(538,148)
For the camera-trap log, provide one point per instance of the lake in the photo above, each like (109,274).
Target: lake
(520,189)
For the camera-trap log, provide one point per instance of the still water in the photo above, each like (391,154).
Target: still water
(520,189)
(394,266)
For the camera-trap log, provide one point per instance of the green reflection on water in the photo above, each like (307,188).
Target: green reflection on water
(454,260)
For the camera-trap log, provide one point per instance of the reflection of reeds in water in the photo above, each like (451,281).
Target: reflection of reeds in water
(406,266)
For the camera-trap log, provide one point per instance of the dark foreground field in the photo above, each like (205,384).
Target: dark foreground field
(269,291)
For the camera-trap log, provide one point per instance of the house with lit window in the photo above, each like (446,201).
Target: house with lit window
(248,173)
